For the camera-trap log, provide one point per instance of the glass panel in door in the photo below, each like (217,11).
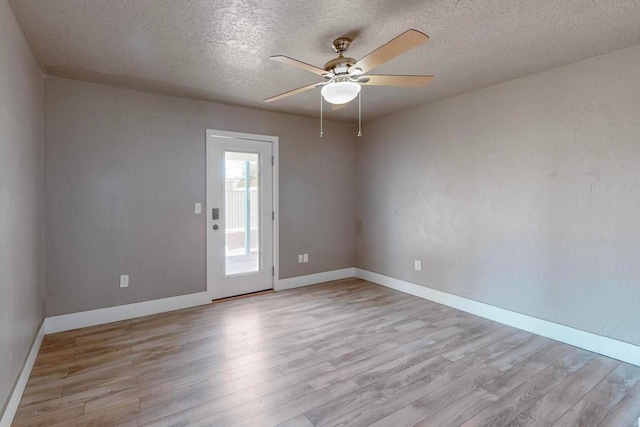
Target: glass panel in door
(242,213)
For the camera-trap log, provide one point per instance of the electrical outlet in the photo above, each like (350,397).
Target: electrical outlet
(306,257)
(198,208)
(417,264)
(300,259)
(124,281)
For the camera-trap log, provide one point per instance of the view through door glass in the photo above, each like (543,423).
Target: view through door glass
(242,213)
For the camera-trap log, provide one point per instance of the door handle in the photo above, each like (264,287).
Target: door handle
(215,226)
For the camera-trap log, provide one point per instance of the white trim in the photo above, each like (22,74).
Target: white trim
(16,395)
(312,279)
(276,208)
(599,344)
(67,322)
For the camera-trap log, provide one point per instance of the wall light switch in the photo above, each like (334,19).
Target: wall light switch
(306,257)
(198,208)
(124,281)
(300,259)
(417,264)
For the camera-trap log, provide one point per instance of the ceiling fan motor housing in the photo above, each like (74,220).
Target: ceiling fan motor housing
(339,65)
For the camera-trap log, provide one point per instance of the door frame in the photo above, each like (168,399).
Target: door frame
(210,175)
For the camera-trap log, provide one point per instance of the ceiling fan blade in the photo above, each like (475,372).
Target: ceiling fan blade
(294,91)
(393,80)
(336,107)
(401,44)
(298,64)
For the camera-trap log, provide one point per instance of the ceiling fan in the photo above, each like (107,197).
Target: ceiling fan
(344,76)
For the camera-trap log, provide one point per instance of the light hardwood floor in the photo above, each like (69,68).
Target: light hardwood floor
(342,353)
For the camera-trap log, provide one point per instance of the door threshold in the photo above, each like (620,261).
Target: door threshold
(250,294)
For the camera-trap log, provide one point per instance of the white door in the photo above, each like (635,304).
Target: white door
(240,188)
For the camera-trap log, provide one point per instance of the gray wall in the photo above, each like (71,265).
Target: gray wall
(524,195)
(21,200)
(124,169)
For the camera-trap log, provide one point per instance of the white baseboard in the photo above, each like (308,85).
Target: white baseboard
(603,345)
(67,322)
(312,279)
(16,395)
(598,344)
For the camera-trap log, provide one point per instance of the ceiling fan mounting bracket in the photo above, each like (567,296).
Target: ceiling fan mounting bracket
(341,44)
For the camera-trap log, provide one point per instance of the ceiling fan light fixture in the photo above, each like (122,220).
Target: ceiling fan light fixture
(340,92)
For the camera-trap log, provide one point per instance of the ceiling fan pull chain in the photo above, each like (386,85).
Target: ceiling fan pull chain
(320,115)
(360,113)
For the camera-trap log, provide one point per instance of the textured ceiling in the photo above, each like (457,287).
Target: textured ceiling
(219,50)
